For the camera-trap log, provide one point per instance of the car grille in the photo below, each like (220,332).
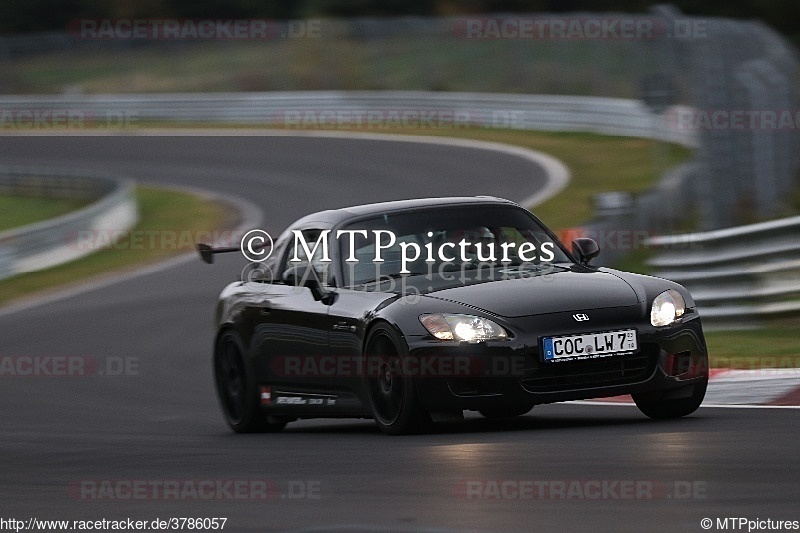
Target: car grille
(604,372)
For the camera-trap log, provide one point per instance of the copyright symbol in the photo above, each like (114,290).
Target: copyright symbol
(706,523)
(256,277)
(256,245)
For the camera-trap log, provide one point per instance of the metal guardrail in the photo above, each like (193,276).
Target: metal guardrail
(736,275)
(55,241)
(306,110)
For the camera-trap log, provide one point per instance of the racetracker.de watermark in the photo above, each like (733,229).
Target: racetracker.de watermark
(64,119)
(161,239)
(184,29)
(755,364)
(607,28)
(405,118)
(628,240)
(579,489)
(71,366)
(438,366)
(688,119)
(194,489)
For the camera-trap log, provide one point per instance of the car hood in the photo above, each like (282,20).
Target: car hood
(555,292)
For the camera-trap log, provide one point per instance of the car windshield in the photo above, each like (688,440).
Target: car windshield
(428,241)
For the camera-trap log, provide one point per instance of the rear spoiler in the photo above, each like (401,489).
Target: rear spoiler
(207,252)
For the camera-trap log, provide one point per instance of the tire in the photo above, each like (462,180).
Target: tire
(392,397)
(659,408)
(236,388)
(506,412)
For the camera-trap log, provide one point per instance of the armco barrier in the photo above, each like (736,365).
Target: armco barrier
(51,242)
(737,275)
(307,109)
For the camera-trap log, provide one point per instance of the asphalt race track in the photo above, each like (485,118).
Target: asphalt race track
(109,446)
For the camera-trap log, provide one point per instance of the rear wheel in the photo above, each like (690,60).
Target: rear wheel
(236,388)
(392,396)
(656,405)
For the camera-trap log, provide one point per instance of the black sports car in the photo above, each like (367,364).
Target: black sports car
(412,311)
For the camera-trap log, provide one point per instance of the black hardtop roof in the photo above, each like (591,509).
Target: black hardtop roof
(333,217)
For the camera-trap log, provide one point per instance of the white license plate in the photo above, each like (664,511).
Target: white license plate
(589,345)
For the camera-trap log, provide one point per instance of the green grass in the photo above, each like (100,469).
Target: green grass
(22,210)
(636,261)
(169,221)
(775,346)
(446,63)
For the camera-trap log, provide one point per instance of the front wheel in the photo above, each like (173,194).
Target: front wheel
(392,395)
(654,405)
(236,388)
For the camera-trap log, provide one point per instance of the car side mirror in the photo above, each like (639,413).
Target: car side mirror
(306,276)
(585,249)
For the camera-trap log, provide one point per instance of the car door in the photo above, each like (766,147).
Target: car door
(290,328)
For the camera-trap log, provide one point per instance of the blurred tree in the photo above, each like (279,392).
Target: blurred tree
(355,8)
(47,15)
(53,15)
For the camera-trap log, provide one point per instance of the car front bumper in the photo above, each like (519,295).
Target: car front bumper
(509,373)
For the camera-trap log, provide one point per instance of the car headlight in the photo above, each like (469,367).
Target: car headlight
(466,328)
(667,308)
